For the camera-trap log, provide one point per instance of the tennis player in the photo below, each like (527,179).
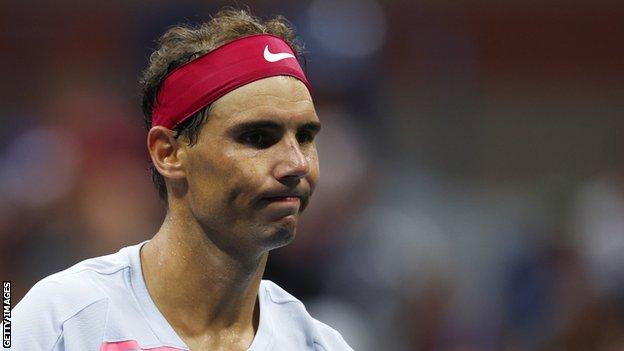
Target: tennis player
(231,137)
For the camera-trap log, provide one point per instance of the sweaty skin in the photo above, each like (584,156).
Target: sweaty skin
(203,267)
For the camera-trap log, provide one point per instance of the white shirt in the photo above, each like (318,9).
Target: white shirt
(103,304)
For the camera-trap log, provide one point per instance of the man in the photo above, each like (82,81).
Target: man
(231,138)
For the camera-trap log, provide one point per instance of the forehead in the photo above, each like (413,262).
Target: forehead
(278,98)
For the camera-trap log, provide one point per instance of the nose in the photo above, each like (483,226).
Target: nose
(293,164)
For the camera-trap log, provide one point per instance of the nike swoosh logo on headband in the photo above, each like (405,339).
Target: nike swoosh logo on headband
(271,57)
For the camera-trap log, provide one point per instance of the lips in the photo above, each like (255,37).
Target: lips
(283,198)
(282,195)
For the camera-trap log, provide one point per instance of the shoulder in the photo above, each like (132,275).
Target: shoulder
(64,300)
(288,310)
(80,284)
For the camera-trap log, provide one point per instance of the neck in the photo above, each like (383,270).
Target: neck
(202,290)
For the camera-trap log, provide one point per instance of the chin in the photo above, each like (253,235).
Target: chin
(282,238)
(281,233)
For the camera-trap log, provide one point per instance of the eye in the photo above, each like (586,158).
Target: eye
(258,138)
(305,137)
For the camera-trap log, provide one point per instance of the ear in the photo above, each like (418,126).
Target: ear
(166,153)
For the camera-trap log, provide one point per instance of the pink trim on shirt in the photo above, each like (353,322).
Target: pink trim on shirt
(132,345)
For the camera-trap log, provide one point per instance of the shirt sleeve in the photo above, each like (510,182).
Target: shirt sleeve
(59,316)
(34,324)
(330,340)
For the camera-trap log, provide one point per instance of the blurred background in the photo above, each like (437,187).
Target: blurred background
(472,174)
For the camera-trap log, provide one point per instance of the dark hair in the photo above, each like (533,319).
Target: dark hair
(183,43)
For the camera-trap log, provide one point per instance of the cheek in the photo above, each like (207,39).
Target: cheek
(243,176)
(213,176)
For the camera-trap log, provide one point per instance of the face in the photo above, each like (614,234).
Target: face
(255,164)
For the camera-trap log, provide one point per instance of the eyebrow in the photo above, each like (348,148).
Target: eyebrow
(244,126)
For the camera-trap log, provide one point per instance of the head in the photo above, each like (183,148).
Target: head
(245,165)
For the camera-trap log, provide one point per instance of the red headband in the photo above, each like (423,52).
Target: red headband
(197,84)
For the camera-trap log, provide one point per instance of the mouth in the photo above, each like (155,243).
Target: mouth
(280,207)
(283,199)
